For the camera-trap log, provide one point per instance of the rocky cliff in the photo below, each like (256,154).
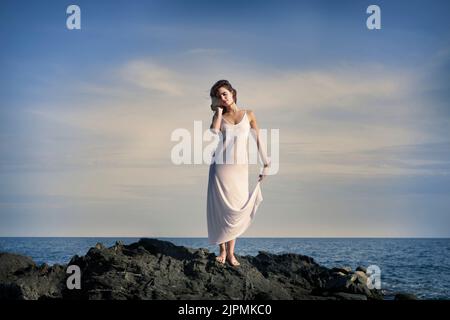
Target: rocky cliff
(154,269)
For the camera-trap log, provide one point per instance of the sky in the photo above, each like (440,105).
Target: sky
(86,116)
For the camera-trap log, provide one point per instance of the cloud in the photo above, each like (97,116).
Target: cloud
(152,76)
(346,88)
(342,124)
(325,115)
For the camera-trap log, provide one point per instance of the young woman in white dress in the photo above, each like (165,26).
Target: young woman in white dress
(230,205)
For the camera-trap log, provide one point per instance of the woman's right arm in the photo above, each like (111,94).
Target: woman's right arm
(217,119)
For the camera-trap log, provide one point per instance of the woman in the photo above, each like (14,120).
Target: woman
(230,206)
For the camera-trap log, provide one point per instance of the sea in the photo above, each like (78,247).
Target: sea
(414,265)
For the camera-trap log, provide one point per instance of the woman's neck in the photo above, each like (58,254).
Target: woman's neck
(233,108)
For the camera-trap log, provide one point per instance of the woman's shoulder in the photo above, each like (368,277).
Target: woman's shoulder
(250,113)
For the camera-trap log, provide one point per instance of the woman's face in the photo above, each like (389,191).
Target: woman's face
(225,96)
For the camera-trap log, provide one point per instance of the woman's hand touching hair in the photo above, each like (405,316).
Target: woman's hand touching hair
(216,104)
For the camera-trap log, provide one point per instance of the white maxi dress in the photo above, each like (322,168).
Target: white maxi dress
(230,206)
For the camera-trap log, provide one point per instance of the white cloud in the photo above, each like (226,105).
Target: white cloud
(116,146)
(302,104)
(152,76)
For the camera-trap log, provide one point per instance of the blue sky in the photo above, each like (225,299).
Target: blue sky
(86,115)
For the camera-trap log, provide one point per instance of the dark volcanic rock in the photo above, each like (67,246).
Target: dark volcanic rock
(11,263)
(154,269)
(20,278)
(405,296)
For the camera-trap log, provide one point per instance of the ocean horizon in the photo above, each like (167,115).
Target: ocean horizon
(415,265)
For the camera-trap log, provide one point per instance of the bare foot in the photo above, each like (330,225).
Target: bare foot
(221,258)
(233,261)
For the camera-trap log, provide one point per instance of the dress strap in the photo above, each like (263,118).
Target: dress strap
(245,114)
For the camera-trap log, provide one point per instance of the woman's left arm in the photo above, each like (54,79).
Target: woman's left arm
(261,146)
